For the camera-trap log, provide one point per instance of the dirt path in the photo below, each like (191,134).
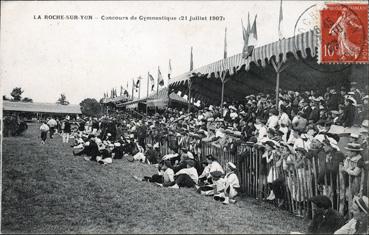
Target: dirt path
(48,190)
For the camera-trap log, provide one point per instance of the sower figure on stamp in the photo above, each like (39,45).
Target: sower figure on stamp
(340,28)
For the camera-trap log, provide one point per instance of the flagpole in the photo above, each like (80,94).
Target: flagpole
(132,88)
(139,88)
(157,85)
(148,83)
(190,84)
(224,72)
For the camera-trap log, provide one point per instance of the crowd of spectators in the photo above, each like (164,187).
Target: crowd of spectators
(293,140)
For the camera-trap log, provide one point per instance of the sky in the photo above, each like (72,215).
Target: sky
(85,58)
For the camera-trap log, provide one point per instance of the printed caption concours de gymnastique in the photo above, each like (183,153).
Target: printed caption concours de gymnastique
(130,18)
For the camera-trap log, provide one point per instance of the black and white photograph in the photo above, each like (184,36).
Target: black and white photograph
(184,117)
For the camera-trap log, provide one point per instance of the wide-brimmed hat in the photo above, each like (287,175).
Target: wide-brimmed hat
(321,201)
(354,147)
(231,166)
(216,174)
(362,203)
(270,143)
(301,150)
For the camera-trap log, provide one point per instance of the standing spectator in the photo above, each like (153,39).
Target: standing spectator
(348,112)
(52,124)
(44,128)
(66,130)
(333,100)
(352,170)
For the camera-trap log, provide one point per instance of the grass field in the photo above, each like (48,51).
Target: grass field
(45,189)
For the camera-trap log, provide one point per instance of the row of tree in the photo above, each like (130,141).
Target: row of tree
(89,106)
(17,92)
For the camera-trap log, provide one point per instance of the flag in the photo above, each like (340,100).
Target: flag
(280,31)
(121,90)
(169,70)
(126,93)
(152,87)
(151,78)
(191,61)
(253,37)
(245,35)
(138,82)
(225,43)
(160,78)
(250,37)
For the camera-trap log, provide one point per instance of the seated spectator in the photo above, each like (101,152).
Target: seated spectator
(152,155)
(164,177)
(359,223)
(90,149)
(105,155)
(325,220)
(232,184)
(186,177)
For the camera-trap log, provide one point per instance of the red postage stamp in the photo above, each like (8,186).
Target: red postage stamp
(344,33)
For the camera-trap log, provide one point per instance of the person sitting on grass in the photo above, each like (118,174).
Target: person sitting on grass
(164,177)
(326,220)
(117,151)
(214,165)
(186,177)
(216,188)
(105,156)
(139,153)
(90,149)
(44,128)
(359,223)
(231,186)
(152,156)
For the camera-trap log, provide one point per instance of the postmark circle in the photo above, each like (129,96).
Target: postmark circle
(308,20)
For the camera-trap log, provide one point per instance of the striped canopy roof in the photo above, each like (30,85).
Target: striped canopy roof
(261,56)
(256,74)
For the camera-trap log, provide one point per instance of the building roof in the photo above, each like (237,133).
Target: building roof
(41,107)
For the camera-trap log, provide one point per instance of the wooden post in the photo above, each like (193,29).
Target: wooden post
(277,92)
(278,69)
(189,95)
(222,98)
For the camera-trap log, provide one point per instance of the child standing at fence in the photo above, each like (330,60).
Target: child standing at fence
(352,171)
(44,128)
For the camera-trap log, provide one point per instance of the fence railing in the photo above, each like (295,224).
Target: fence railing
(292,184)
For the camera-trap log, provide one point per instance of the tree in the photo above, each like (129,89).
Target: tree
(90,107)
(17,94)
(28,100)
(62,100)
